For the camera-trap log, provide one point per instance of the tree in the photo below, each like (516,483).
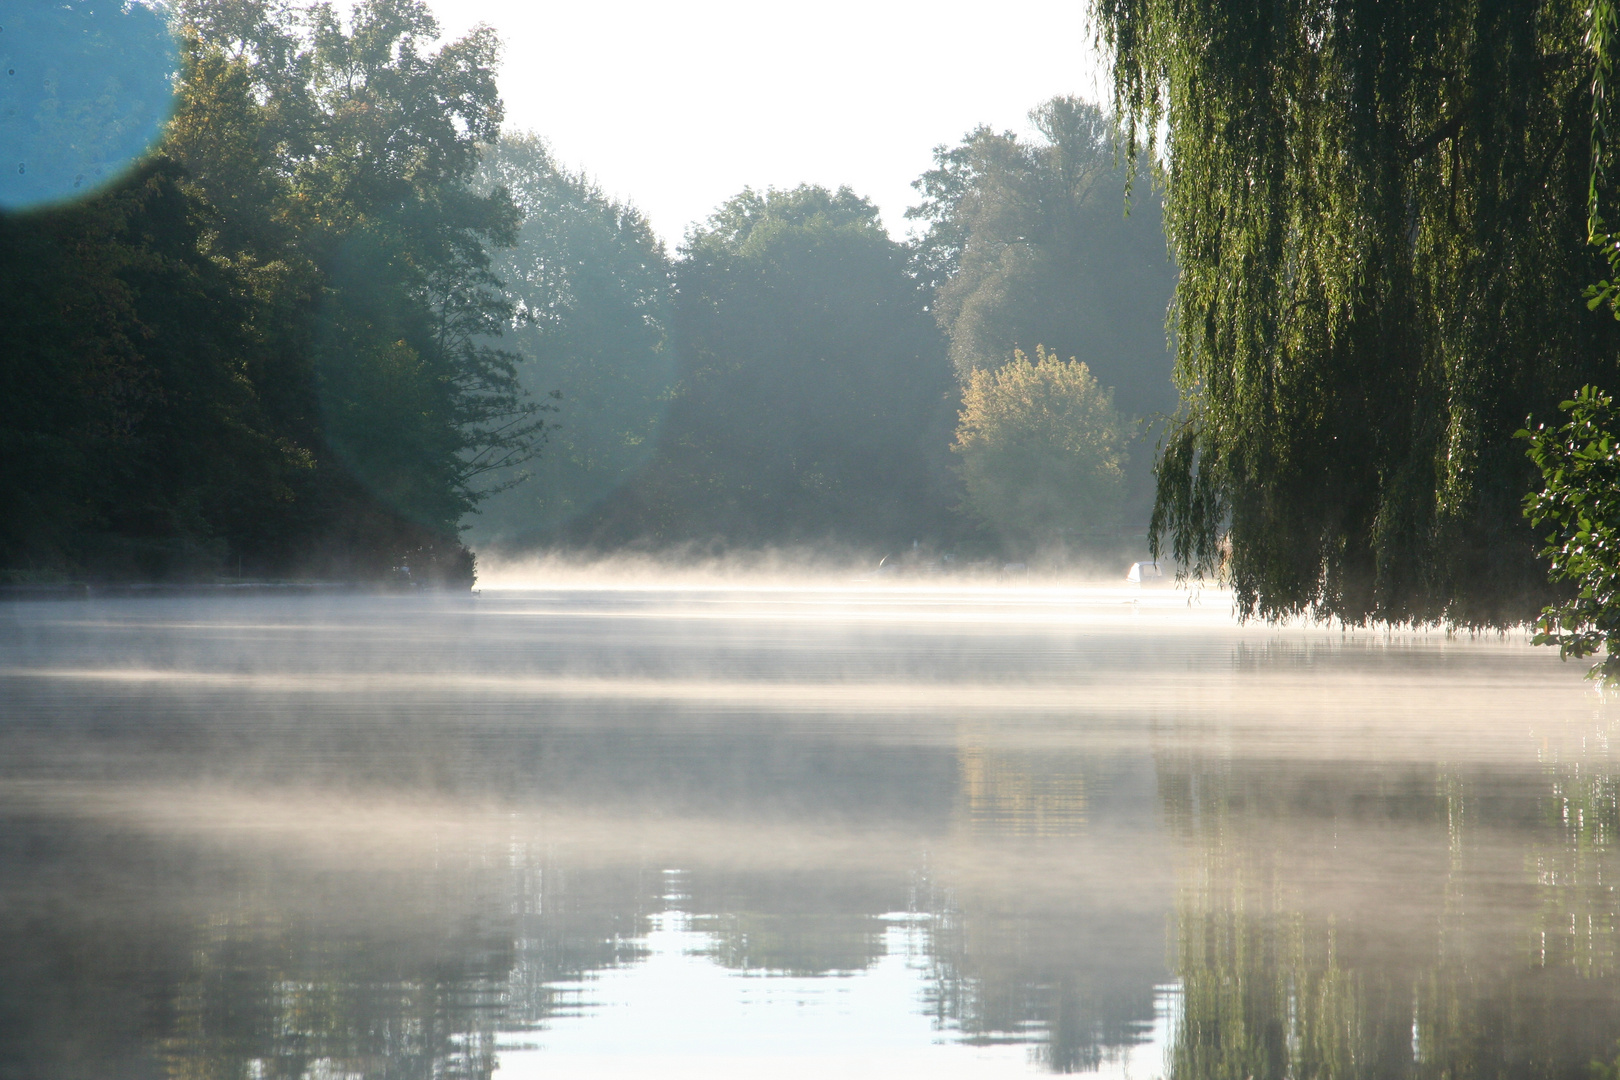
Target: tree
(1378,211)
(342,158)
(591,290)
(1029,243)
(133,440)
(1042,451)
(270,346)
(366,146)
(813,397)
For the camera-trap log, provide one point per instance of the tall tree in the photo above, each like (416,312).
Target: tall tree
(341,156)
(1028,243)
(591,288)
(133,440)
(270,346)
(359,145)
(1379,214)
(814,398)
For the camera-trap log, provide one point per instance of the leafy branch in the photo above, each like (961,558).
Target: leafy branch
(1581,500)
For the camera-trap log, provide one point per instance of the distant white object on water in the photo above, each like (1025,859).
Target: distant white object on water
(1146,572)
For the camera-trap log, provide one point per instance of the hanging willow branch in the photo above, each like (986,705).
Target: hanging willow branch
(1600,42)
(1380,210)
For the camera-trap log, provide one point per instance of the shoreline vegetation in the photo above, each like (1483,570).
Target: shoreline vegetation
(340,320)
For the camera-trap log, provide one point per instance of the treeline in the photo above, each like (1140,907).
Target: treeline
(793,375)
(336,317)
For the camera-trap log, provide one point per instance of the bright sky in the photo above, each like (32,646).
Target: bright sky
(678,106)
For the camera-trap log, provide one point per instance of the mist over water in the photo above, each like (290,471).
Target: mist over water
(824,566)
(763,826)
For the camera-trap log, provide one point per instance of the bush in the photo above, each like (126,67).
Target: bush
(1042,451)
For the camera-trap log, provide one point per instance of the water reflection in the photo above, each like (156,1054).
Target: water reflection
(730,832)
(1348,921)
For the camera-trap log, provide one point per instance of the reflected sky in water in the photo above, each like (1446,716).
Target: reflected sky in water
(749,831)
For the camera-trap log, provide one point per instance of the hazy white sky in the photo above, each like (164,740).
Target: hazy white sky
(677,106)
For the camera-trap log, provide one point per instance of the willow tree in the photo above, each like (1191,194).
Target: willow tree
(1379,211)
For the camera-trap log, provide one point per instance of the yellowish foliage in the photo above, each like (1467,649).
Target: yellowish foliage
(1042,449)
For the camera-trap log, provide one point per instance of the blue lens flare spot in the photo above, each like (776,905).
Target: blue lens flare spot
(88,86)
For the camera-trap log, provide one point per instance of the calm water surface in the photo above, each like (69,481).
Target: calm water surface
(793,832)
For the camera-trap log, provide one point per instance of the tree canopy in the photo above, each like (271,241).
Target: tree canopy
(1379,215)
(316,328)
(592,294)
(360,149)
(813,399)
(1028,243)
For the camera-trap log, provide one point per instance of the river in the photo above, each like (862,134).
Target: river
(752,831)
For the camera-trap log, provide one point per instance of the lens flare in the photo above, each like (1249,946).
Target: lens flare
(85,90)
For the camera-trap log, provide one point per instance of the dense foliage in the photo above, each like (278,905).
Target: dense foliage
(1034,242)
(268,349)
(133,438)
(1042,452)
(1379,215)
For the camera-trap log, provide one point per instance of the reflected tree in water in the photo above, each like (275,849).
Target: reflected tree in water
(268,998)
(1069,970)
(416,986)
(1475,939)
